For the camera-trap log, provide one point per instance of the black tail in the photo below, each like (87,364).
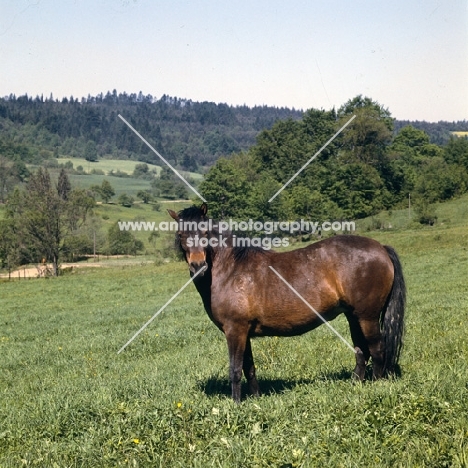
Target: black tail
(393,316)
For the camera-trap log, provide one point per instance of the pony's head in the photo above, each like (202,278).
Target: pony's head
(191,237)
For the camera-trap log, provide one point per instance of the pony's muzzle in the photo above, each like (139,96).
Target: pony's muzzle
(197,266)
(196,261)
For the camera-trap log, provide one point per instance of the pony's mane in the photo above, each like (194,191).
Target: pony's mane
(243,254)
(192,213)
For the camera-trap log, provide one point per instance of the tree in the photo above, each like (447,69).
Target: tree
(258,204)
(79,205)
(456,151)
(6,178)
(42,216)
(41,219)
(357,190)
(91,154)
(126,200)
(180,191)
(11,174)
(168,185)
(144,196)
(440,181)
(107,191)
(414,143)
(425,211)
(86,239)
(63,185)
(365,103)
(141,171)
(122,242)
(410,137)
(368,136)
(281,150)
(226,190)
(10,251)
(308,203)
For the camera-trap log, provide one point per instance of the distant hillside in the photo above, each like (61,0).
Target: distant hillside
(439,132)
(191,135)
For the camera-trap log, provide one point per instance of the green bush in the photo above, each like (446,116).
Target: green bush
(122,242)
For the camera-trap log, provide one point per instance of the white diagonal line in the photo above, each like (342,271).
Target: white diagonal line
(313,310)
(157,154)
(312,158)
(161,309)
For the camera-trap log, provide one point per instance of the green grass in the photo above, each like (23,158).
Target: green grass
(122,165)
(107,165)
(121,185)
(128,185)
(67,399)
(449,214)
(110,214)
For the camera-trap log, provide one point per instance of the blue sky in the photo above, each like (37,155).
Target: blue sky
(411,56)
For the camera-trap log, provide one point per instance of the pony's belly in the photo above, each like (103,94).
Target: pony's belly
(293,324)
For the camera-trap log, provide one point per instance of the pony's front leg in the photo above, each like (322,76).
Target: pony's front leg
(249,370)
(236,340)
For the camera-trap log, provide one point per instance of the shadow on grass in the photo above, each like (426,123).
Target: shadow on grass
(344,374)
(215,386)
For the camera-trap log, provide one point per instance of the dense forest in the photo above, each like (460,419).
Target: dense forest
(368,168)
(439,132)
(191,135)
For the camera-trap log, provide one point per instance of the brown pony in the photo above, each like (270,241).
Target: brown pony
(244,298)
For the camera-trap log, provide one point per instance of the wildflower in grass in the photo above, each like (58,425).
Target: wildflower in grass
(179,404)
(136,441)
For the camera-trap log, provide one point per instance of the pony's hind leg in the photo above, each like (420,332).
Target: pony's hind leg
(360,346)
(374,338)
(249,370)
(360,369)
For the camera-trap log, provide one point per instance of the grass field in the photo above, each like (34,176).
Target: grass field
(110,214)
(122,165)
(107,165)
(128,185)
(68,399)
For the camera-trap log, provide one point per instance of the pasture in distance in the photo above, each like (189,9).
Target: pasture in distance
(127,185)
(68,399)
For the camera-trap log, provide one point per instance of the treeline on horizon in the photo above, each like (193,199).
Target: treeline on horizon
(191,135)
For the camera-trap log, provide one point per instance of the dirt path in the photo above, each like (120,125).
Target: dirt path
(44,270)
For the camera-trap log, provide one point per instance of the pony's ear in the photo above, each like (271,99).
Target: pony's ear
(204,209)
(173,215)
